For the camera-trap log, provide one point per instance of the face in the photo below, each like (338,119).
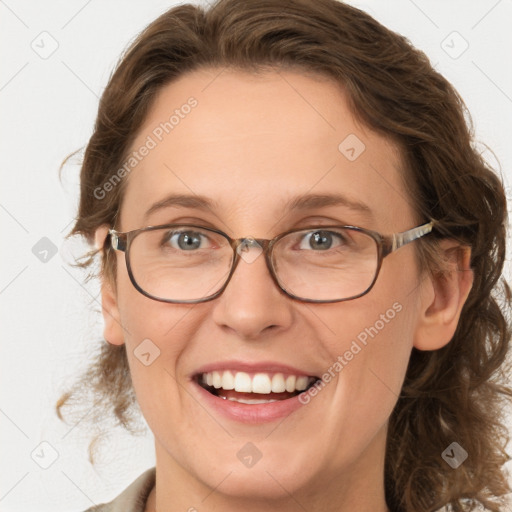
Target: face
(250,145)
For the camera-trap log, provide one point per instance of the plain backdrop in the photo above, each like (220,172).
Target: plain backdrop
(56,58)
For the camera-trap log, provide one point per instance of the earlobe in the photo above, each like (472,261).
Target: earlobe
(440,312)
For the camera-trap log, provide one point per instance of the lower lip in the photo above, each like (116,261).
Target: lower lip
(249,413)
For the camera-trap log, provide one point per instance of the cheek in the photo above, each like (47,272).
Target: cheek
(378,328)
(369,362)
(145,318)
(373,344)
(155,336)
(369,352)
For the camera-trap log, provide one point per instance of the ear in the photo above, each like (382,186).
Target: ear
(113,331)
(448,290)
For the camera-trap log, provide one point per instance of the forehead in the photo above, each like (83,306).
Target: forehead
(253,142)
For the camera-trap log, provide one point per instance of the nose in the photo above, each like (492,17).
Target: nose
(252,304)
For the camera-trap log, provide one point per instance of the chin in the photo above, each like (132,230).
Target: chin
(269,479)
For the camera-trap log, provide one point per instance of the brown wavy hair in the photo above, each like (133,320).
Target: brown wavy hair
(457,393)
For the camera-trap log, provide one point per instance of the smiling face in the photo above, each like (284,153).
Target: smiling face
(251,145)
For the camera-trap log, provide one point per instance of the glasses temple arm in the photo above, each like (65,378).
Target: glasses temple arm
(401,239)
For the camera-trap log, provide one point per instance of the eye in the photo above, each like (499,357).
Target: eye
(323,240)
(184,240)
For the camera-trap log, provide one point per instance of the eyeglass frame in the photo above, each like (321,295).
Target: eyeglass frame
(386,244)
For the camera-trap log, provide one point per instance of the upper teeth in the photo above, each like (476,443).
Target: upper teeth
(258,383)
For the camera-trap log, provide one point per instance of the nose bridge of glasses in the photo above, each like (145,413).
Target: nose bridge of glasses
(245,244)
(250,249)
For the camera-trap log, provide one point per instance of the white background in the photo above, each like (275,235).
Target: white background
(49,318)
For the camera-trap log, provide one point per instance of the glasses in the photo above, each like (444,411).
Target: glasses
(187,263)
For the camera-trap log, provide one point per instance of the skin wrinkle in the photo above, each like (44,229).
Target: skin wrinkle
(338,440)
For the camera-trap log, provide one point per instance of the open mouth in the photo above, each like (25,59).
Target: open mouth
(257,388)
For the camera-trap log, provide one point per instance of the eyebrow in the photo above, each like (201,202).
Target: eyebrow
(299,203)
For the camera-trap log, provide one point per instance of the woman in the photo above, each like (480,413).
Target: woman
(300,259)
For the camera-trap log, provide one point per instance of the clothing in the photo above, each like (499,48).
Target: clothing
(133,498)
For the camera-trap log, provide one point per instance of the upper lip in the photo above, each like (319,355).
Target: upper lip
(253,367)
